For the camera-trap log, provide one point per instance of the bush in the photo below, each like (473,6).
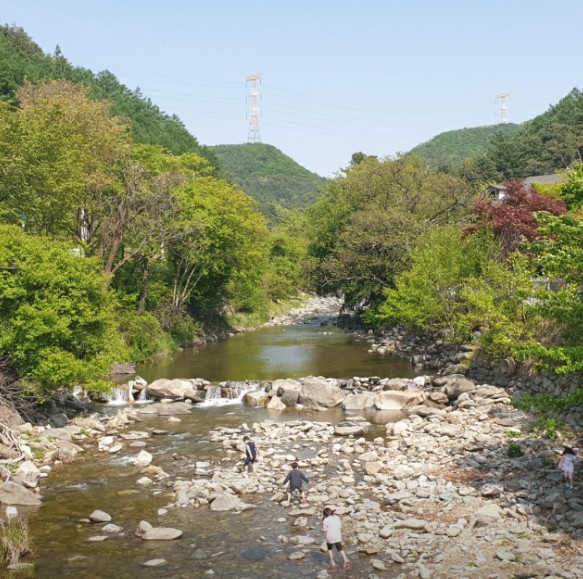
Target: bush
(514,450)
(143,334)
(59,322)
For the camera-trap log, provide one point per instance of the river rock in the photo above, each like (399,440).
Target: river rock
(398,400)
(456,385)
(349,429)
(175,389)
(155,563)
(288,390)
(98,516)
(276,404)
(144,458)
(225,502)
(149,533)
(27,474)
(174,408)
(15,494)
(319,393)
(359,401)
(256,398)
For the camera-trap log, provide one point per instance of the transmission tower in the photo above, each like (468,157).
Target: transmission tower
(501,100)
(254,110)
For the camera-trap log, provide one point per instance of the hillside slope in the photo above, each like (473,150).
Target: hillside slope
(266,174)
(22,60)
(454,147)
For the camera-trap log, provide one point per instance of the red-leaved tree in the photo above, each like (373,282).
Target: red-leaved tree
(512,219)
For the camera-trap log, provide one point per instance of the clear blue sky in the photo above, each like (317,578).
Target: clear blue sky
(338,76)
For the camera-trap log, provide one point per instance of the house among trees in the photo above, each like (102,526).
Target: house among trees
(498,192)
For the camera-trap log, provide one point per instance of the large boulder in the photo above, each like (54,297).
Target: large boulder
(458,384)
(14,494)
(176,389)
(396,384)
(276,404)
(398,399)
(359,401)
(256,398)
(288,390)
(318,393)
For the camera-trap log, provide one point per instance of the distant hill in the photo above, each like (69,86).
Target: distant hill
(21,60)
(266,174)
(452,148)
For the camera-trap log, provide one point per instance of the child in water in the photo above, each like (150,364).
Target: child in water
(332,525)
(567,465)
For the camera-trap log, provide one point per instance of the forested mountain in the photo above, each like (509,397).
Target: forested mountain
(548,143)
(551,142)
(21,59)
(454,147)
(272,178)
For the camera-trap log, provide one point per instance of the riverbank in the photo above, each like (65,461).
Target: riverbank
(458,485)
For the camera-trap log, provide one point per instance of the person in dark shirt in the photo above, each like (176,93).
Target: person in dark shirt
(296,478)
(250,453)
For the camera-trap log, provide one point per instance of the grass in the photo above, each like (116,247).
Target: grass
(14,540)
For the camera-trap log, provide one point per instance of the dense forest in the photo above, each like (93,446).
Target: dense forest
(452,148)
(275,180)
(548,143)
(122,237)
(119,238)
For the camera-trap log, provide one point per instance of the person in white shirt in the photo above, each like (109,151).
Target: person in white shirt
(332,526)
(567,465)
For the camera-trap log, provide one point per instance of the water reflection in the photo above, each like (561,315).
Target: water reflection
(280,352)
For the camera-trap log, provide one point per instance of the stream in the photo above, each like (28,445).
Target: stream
(237,545)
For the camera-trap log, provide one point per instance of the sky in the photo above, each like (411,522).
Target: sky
(337,76)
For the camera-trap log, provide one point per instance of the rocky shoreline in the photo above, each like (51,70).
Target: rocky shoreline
(438,493)
(458,485)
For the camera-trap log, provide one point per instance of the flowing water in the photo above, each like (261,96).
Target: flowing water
(233,545)
(280,352)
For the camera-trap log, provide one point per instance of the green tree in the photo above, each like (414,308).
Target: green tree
(58,149)
(365,225)
(59,324)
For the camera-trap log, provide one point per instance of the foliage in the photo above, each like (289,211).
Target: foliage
(143,335)
(559,254)
(59,322)
(367,222)
(572,188)
(513,219)
(452,148)
(458,285)
(22,60)
(274,180)
(58,148)
(220,249)
(550,142)
(287,253)
(514,450)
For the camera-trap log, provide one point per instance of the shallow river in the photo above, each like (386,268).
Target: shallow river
(235,545)
(280,352)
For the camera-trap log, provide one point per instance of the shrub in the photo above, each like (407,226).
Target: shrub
(514,450)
